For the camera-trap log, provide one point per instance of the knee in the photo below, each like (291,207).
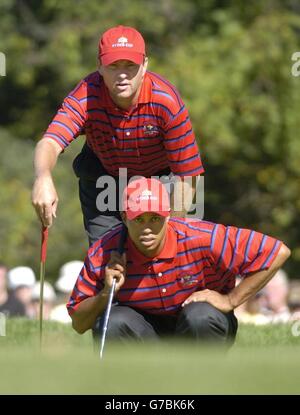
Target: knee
(125,322)
(195,318)
(203,321)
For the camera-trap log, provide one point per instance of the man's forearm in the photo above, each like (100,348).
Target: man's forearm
(88,310)
(45,157)
(255,282)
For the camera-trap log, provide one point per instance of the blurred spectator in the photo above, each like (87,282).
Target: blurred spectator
(294,300)
(9,304)
(294,297)
(68,275)
(276,298)
(21,281)
(251,311)
(270,305)
(48,303)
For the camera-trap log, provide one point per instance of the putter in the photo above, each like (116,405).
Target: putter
(112,291)
(42,277)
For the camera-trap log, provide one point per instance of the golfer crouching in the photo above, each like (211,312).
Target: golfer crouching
(176,276)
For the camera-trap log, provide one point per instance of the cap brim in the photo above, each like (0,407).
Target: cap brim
(130,214)
(109,58)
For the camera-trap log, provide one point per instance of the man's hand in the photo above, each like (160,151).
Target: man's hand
(44,196)
(115,268)
(219,301)
(45,199)
(182,196)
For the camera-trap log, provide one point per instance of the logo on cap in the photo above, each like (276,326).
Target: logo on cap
(146,195)
(122,40)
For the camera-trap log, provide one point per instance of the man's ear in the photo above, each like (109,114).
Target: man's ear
(145,65)
(99,66)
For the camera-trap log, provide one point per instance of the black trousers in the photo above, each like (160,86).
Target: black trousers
(88,169)
(199,321)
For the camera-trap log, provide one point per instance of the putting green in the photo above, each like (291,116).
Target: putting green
(263,361)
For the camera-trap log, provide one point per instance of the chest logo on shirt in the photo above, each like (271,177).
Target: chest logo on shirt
(187,279)
(150,130)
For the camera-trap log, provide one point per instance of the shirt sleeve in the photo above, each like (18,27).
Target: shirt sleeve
(89,282)
(70,119)
(181,147)
(242,251)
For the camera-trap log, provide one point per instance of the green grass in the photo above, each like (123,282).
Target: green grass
(264,360)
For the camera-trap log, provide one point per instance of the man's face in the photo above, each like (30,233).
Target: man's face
(276,293)
(148,232)
(23,293)
(123,79)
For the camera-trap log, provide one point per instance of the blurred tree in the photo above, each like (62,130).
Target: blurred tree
(19,226)
(244,105)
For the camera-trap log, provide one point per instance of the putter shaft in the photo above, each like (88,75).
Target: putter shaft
(106,317)
(42,277)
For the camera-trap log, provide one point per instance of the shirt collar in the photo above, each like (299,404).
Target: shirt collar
(169,249)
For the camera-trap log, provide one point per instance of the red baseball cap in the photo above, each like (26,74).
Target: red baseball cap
(121,42)
(145,195)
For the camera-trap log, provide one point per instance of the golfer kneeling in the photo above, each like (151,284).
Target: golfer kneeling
(176,276)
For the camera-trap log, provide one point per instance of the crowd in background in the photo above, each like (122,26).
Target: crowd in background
(277,302)
(20,292)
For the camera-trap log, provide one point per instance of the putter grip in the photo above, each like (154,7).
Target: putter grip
(44,243)
(121,246)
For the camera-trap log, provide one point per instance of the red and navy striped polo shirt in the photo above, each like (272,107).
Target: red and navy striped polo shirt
(154,134)
(197,255)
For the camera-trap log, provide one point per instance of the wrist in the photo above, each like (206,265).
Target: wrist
(41,175)
(231,301)
(105,292)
